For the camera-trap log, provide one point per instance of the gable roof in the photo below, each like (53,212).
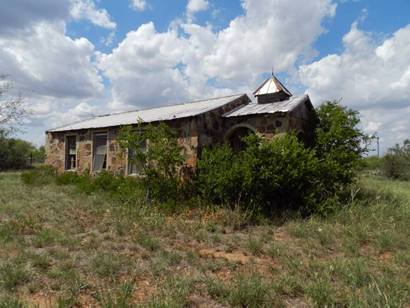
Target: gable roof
(270,86)
(165,113)
(282,106)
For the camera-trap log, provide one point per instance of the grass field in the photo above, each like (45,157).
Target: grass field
(60,248)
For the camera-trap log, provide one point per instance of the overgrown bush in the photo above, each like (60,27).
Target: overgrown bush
(267,174)
(159,157)
(39,176)
(396,163)
(282,173)
(339,144)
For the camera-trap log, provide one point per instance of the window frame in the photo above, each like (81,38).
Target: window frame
(94,134)
(66,152)
(129,163)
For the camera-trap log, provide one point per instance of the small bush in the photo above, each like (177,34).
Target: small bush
(67,178)
(396,163)
(39,176)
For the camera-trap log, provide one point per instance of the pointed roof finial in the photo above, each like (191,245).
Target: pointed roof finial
(273,71)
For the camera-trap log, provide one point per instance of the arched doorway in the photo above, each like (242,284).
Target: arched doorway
(235,136)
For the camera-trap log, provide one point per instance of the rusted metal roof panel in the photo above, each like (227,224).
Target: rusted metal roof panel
(152,115)
(282,106)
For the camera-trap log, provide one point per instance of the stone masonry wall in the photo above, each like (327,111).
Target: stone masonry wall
(116,157)
(194,133)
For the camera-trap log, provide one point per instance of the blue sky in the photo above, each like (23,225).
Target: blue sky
(74,59)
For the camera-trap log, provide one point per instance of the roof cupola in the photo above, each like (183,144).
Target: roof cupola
(271,91)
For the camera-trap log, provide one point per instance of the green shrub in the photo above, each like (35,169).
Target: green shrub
(42,175)
(283,173)
(396,163)
(159,162)
(67,178)
(267,174)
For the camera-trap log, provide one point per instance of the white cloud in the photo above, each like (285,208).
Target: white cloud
(150,68)
(370,76)
(46,62)
(142,68)
(86,9)
(139,5)
(195,6)
(21,14)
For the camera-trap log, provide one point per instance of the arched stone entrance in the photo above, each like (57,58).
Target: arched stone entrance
(234,136)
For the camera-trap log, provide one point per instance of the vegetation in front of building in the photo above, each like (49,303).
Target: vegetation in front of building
(268,176)
(116,241)
(62,247)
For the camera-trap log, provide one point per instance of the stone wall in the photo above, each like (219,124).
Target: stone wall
(212,127)
(116,157)
(194,133)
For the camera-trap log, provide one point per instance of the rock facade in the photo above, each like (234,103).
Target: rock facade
(194,133)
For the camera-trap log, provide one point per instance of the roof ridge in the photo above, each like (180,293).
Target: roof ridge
(170,105)
(129,113)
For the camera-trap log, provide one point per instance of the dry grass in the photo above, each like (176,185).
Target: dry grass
(61,248)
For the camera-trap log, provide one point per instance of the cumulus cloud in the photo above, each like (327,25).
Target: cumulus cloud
(190,60)
(195,6)
(57,65)
(86,9)
(18,15)
(21,14)
(370,76)
(142,68)
(139,5)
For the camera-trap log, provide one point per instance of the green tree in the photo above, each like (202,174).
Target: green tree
(396,162)
(159,160)
(15,153)
(339,143)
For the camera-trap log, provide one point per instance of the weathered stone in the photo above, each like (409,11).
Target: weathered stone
(194,133)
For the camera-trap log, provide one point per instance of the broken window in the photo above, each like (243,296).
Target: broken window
(71,153)
(100,152)
(135,167)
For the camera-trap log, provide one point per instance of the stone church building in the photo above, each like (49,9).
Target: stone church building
(91,145)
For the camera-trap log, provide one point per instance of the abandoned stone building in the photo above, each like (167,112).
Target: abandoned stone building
(91,145)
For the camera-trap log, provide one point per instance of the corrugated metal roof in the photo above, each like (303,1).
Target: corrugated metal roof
(270,86)
(282,106)
(151,115)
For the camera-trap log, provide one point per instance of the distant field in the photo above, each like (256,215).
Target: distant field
(62,248)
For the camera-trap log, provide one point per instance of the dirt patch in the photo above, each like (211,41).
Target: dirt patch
(237,257)
(40,300)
